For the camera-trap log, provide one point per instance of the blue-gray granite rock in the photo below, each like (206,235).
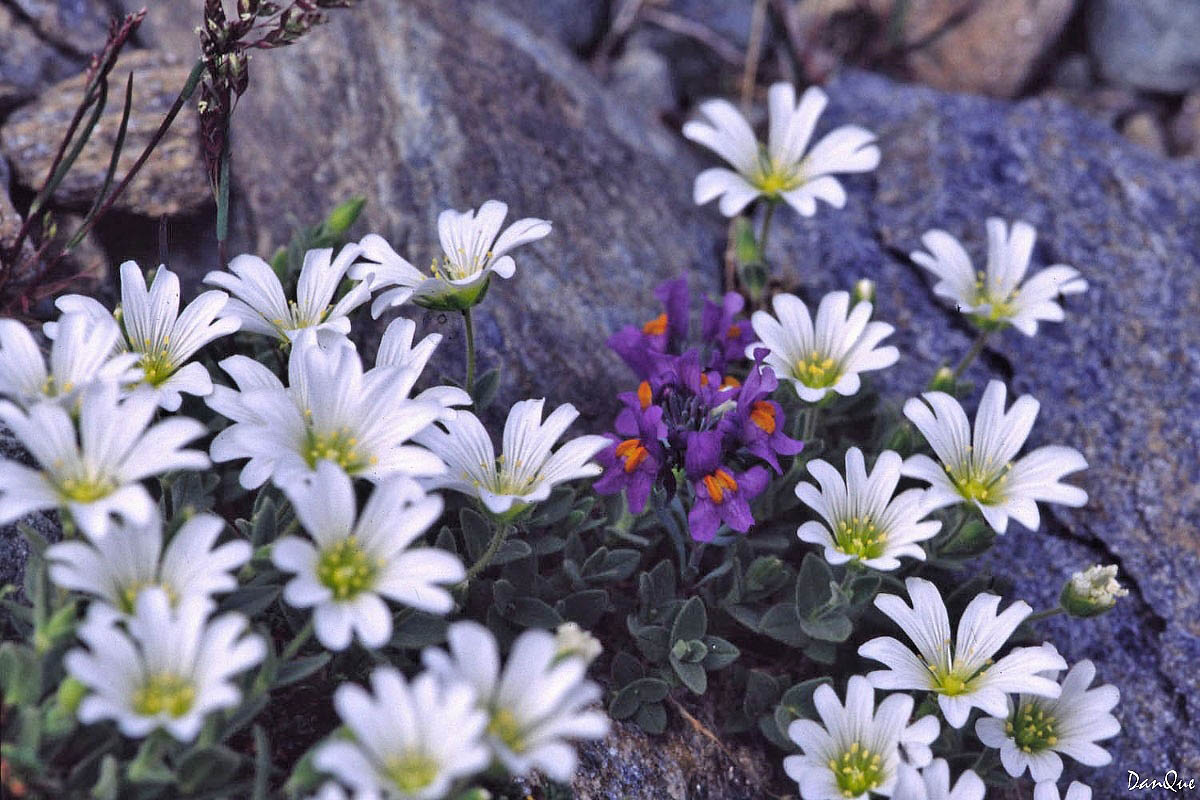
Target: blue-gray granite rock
(1117,380)
(1148,44)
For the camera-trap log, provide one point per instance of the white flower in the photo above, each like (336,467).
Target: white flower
(164,338)
(996,296)
(472,249)
(933,783)
(828,356)
(332,791)
(1048,790)
(261,306)
(537,702)
(980,469)
(916,741)
(960,671)
(781,170)
(527,469)
(411,740)
(572,640)
(396,349)
(355,562)
(169,670)
(82,353)
(96,473)
(120,566)
(331,411)
(1035,730)
(863,521)
(854,751)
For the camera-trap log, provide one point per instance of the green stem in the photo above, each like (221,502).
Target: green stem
(294,646)
(810,422)
(972,354)
(470,387)
(1041,615)
(503,529)
(766,229)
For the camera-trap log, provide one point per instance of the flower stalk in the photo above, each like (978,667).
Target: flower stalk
(470,326)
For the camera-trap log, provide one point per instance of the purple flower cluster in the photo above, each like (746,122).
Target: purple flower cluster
(691,417)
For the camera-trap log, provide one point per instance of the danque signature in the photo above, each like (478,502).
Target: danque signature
(1171,781)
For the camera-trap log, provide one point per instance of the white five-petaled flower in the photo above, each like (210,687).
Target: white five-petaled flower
(82,353)
(164,339)
(978,468)
(527,469)
(855,750)
(396,349)
(331,411)
(361,558)
(782,169)
(933,783)
(960,671)
(131,559)
(995,297)
(539,700)
(863,521)
(1033,732)
(1048,790)
(96,473)
(826,356)
(411,740)
(472,249)
(261,306)
(167,668)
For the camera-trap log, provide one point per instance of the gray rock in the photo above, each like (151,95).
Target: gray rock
(420,129)
(14,547)
(80,26)
(578,24)
(1113,380)
(27,63)
(172,181)
(1149,44)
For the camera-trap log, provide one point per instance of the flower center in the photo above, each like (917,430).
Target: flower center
(128,595)
(346,569)
(157,365)
(164,693)
(860,537)
(982,483)
(507,728)
(411,771)
(50,387)
(1032,728)
(954,680)
(719,484)
(633,453)
(762,414)
(656,326)
(857,771)
(734,331)
(338,446)
(774,179)
(817,371)
(86,490)
(1000,308)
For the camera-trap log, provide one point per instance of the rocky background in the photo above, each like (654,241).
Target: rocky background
(1081,117)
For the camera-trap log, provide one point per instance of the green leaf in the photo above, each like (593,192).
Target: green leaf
(418,630)
(626,669)
(797,702)
(831,627)
(529,612)
(864,588)
(821,652)
(511,550)
(485,389)
(585,608)
(476,531)
(693,675)
(628,700)
(652,640)
(559,504)
(299,669)
(207,767)
(782,623)
(107,784)
(812,584)
(691,622)
(762,692)
(652,718)
(20,675)
(251,600)
(720,653)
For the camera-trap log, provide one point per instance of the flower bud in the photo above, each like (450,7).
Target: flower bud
(70,694)
(943,381)
(342,217)
(864,291)
(1092,592)
(572,640)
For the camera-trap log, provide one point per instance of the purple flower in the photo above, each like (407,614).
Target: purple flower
(726,335)
(722,495)
(757,422)
(640,348)
(632,463)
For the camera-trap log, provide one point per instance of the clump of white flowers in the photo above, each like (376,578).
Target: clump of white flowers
(1092,592)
